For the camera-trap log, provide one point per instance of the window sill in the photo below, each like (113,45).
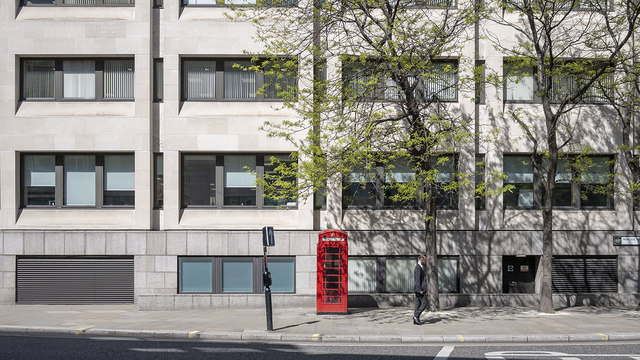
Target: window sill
(88,13)
(90,218)
(74,108)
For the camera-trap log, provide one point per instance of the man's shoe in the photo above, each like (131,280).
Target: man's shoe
(416,321)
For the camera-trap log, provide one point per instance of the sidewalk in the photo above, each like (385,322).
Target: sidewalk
(387,325)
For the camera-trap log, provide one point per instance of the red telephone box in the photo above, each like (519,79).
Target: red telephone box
(331,296)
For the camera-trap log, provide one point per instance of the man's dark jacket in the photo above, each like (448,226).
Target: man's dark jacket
(419,279)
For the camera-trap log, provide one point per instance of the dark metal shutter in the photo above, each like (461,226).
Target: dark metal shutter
(585,274)
(74,281)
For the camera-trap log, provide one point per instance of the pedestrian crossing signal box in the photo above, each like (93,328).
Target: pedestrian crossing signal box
(332,284)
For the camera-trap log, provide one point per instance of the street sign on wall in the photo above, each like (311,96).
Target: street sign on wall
(626,240)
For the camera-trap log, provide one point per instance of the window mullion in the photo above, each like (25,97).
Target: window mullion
(220,181)
(58,79)
(59,189)
(259,85)
(99,180)
(259,175)
(381,275)
(99,74)
(379,185)
(219,79)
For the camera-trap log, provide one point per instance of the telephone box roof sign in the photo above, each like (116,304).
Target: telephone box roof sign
(332,235)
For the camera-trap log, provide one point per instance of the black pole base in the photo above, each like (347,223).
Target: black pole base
(267,294)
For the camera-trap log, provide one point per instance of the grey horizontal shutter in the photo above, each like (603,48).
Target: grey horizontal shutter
(585,274)
(74,281)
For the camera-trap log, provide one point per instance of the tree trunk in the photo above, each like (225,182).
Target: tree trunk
(431,266)
(546,293)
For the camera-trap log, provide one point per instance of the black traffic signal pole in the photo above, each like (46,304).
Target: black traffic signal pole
(266,280)
(267,240)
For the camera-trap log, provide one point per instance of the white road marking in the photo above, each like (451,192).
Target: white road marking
(159,350)
(226,350)
(502,355)
(444,353)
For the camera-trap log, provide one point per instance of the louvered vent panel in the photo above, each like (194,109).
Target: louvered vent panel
(74,281)
(585,274)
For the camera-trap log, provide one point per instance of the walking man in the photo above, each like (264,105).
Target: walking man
(419,288)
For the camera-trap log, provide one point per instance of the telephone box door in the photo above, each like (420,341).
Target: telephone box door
(331,297)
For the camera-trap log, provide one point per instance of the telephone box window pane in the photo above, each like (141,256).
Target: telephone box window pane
(196,275)
(362,275)
(80,180)
(400,275)
(448,274)
(240,180)
(282,275)
(40,179)
(237,275)
(199,180)
(79,79)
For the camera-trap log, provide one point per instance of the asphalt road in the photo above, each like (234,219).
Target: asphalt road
(78,347)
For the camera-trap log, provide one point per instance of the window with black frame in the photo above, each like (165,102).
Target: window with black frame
(72,180)
(394,274)
(234,275)
(231,180)
(367,80)
(394,185)
(237,79)
(77,79)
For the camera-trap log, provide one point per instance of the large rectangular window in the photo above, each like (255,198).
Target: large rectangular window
(437,81)
(85,180)
(581,182)
(383,186)
(395,274)
(219,180)
(234,275)
(77,79)
(220,79)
